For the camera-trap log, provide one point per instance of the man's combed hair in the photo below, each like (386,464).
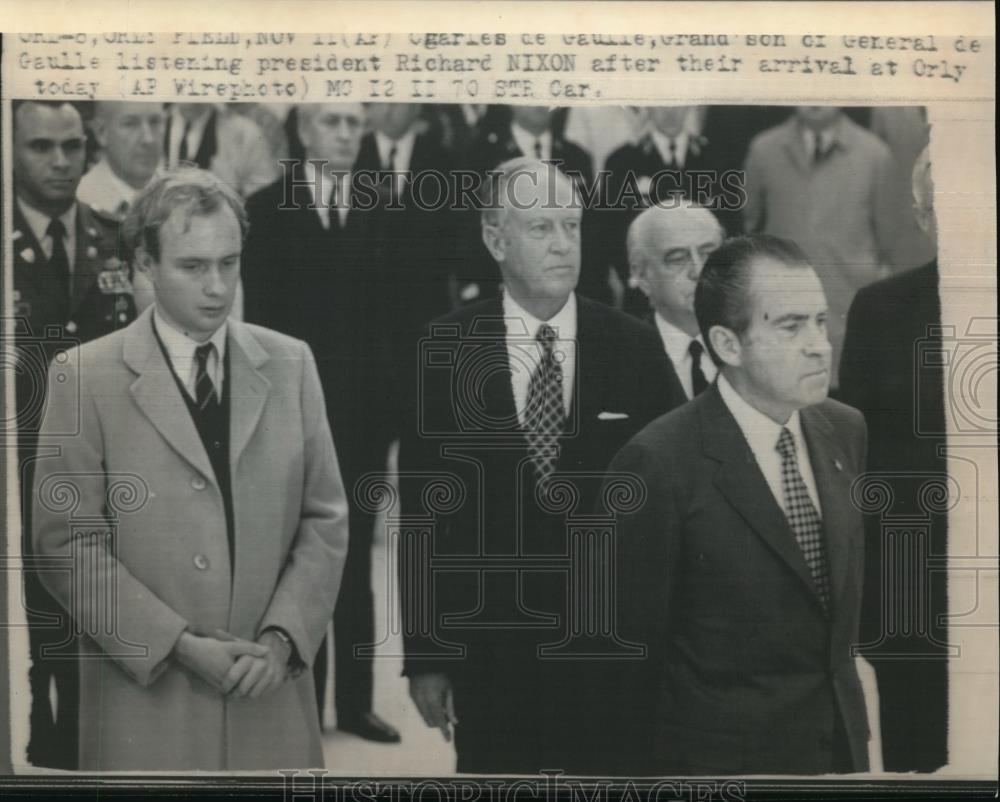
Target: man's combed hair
(722,297)
(194,191)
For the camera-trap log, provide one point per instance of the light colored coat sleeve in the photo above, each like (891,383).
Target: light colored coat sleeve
(307,589)
(72,530)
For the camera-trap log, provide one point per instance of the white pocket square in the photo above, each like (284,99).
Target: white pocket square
(612,416)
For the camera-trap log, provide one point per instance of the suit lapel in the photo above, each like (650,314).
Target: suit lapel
(834,488)
(156,393)
(591,363)
(248,389)
(499,395)
(741,481)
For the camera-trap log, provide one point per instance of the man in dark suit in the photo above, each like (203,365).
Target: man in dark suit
(673,159)
(522,401)
(741,573)
(69,287)
(667,248)
(532,133)
(891,329)
(412,175)
(312,270)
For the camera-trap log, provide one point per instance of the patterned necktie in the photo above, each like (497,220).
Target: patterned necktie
(802,516)
(698,381)
(544,414)
(59,266)
(204,387)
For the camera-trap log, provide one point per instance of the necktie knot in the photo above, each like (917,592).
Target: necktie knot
(695,348)
(202,353)
(786,444)
(546,336)
(56,229)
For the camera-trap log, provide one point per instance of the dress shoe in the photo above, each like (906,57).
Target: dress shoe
(370,727)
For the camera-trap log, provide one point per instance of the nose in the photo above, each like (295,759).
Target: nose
(695,263)
(149,132)
(60,158)
(562,241)
(818,343)
(214,285)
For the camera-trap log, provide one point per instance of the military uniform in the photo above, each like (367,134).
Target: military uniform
(48,319)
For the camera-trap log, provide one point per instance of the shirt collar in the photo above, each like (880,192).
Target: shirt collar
(761,432)
(180,347)
(111,192)
(563,321)
(328,182)
(526,140)
(663,145)
(675,340)
(38,221)
(404,148)
(830,137)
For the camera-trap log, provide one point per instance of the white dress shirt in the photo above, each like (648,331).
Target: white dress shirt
(180,350)
(526,140)
(343,194)
(524,352)
(762,434)
(663,146)
(676,343)
(38,222)
(404,150)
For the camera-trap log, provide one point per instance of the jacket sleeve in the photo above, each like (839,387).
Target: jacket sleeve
(72,531)
(307,588)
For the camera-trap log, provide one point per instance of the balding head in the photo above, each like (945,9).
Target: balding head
(667,247)
(531,227)
(331,132)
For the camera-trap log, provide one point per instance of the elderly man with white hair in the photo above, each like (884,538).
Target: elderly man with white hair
(667,248)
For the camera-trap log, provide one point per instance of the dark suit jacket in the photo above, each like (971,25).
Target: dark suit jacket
(464,425)
(631,163)
(891,371)
(418,240)
(744,671)
(326,287)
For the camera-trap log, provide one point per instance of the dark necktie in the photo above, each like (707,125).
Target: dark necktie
(538,148)
(59,267)
(544,409)
(698,381)
(204,388)
(391,161)
(802,516)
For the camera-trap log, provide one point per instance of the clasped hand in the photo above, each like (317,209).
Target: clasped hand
(235,666)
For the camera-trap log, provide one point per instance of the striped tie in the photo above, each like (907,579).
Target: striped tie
(802,516)
(204,387)
(544,412)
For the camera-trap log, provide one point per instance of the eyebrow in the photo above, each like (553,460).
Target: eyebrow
(790,317)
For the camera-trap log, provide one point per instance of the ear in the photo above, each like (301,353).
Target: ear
(727,345)
(143,262)
(639,278)
(494,240)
